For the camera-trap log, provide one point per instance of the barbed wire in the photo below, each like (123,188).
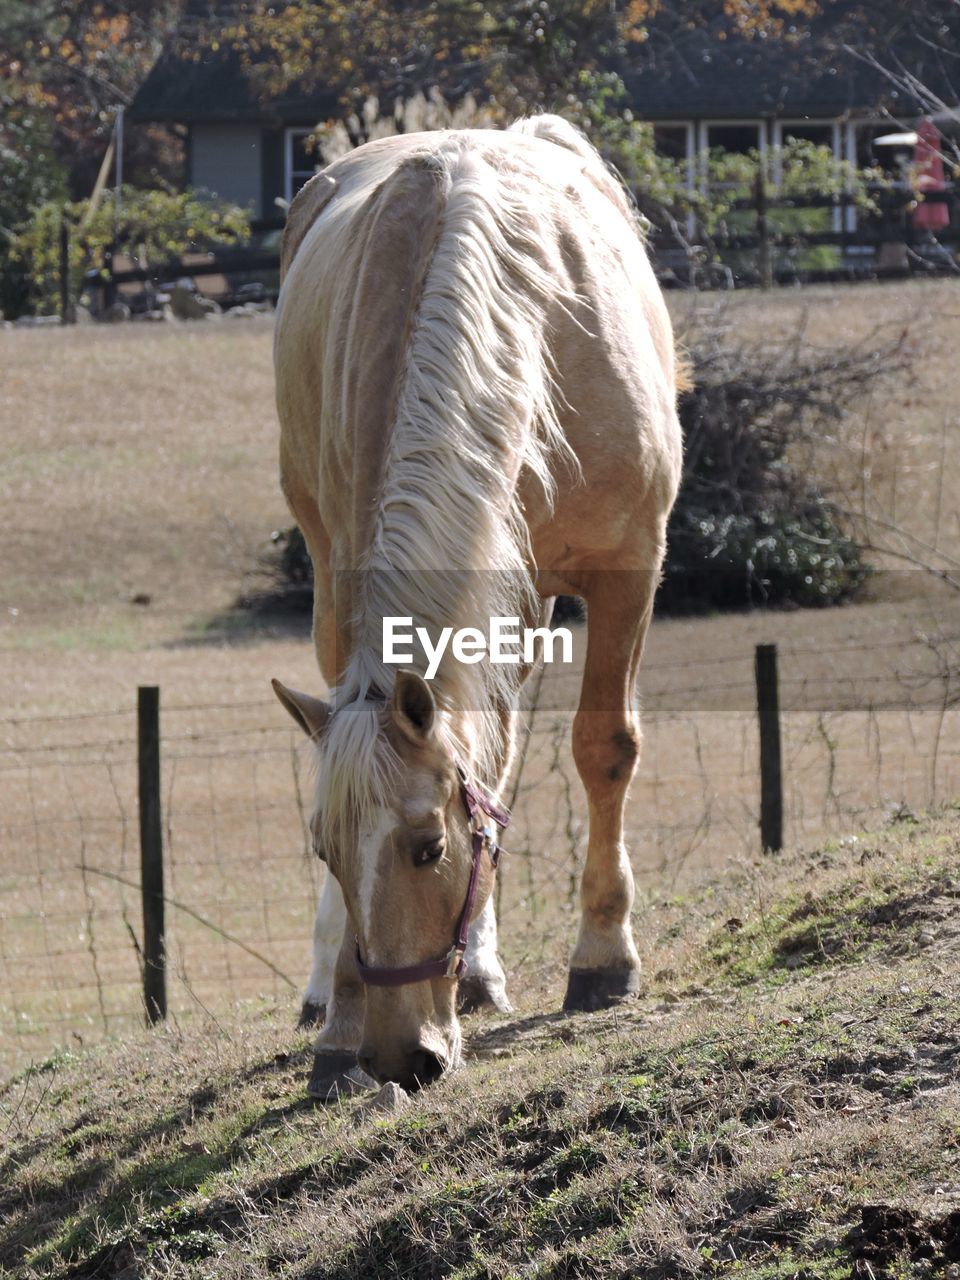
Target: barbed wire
(242,891)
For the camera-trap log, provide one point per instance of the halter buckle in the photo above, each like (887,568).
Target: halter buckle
(454,963)
(480,826)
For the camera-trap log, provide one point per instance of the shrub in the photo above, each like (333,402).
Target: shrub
(734,561)
(29,175)
(154,226)
(752,525)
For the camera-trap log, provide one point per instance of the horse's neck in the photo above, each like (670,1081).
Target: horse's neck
(485,742)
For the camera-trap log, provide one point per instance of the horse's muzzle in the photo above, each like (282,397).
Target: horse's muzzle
(411,1071)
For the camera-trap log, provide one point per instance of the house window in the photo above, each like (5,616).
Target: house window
(301,161)
(671,141)
(733,136)
(822,133)
(737,136)
(674,141)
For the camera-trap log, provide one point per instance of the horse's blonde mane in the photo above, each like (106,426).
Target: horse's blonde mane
(475,405)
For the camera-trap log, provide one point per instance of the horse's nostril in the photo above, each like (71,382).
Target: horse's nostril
(425,1067)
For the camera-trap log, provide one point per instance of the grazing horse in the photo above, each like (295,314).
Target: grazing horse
(476,383)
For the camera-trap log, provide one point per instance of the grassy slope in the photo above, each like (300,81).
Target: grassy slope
(782,1102)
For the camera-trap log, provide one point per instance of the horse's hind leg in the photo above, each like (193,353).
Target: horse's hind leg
(605,966)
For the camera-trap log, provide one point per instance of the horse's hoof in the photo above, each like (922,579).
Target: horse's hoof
(336,1075)
(591,989)
(311,1014)
(475,992)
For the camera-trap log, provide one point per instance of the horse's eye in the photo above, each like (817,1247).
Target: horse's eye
(428,852)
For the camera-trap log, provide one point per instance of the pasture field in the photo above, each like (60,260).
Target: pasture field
(139,489)
(781,1102)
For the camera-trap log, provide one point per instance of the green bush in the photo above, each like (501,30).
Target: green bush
(29,176)
(154,226)
(766,558)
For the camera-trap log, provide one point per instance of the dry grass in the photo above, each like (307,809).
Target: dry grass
(133,461)
(767,1109)
(141,460)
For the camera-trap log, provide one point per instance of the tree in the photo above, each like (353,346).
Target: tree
(29,175)
(526,54)
(76,60)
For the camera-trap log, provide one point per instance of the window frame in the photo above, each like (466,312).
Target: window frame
(836,145)
(289,173)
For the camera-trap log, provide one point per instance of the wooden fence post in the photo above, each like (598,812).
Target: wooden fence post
(151,853)
(771,771)
(66,308)
(765,258)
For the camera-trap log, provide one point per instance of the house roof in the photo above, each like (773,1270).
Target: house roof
(703,72)
(682,71)
(207,87)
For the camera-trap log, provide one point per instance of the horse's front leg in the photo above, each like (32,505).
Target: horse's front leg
(484,985)
(335,1071)
(328,927)
(605,966)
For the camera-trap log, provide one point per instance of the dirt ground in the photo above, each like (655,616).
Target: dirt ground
(138,483)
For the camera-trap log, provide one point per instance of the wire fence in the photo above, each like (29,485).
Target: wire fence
(867,729)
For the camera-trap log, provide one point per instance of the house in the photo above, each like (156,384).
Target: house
(702,89)
(699,85)
(238,148)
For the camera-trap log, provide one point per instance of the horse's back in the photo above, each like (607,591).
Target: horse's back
(351,277)
(358,246)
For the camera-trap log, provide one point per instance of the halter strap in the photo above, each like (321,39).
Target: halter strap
(452,965)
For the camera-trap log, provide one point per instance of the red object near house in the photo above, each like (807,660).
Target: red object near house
(929,215)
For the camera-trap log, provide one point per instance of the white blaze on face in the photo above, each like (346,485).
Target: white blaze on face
(372,836)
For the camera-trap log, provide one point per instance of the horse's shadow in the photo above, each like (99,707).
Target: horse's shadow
(517,1034)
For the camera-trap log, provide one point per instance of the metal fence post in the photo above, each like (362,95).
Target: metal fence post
(151,853)
(771,770)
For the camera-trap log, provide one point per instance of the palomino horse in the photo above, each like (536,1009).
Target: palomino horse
(476,383)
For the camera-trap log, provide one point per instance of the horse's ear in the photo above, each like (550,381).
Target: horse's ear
(311,714)
(413,707)
(308,204)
